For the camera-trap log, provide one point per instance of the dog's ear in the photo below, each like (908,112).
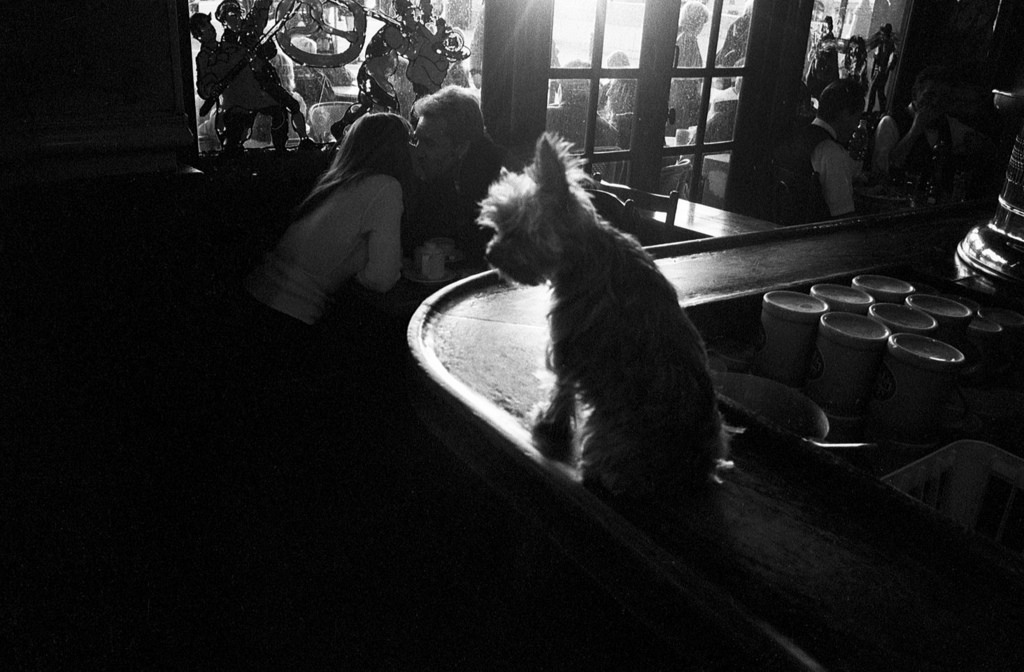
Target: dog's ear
(549,167)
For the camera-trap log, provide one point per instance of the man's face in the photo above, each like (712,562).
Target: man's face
(207,33)
(232,17)
(434,152)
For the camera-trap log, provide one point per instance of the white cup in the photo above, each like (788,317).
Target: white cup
(953,317)
(847,354)
(789,324)
(429,261)
(883,288)
(901,318)
(841,298)
(914,382)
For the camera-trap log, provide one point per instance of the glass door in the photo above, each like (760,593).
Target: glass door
(643,112)
(709,63)
(593,79)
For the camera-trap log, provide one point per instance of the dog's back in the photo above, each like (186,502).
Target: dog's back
(620,342)
(638,364)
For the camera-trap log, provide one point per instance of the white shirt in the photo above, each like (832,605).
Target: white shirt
(355,232)
(836,171)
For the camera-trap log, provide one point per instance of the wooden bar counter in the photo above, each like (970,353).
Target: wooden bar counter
(799,560)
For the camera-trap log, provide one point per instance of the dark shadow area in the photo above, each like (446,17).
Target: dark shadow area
(169,504)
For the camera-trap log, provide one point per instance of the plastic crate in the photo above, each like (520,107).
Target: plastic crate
(975,483)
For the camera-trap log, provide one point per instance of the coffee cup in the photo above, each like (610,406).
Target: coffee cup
(789,324)
(986,337)
(883,288)
(1012,324)
(915,379)
(841,298)
(970,303)
(847,353)
(446,245)
(952,316)
(901,318)
(429,261)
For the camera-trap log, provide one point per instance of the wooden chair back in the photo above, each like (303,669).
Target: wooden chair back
(647,202)
(629,218)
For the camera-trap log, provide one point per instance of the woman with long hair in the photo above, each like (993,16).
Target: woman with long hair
(348,227)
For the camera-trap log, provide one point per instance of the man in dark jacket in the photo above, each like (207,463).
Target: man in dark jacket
(813,167)
(455,162)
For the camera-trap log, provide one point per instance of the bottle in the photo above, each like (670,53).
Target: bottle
(932,190)
(936,179)
(914,186)
(858,145)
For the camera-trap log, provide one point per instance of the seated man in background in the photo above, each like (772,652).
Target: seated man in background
(455,162)
(568,118)
(912,140)
(817,170)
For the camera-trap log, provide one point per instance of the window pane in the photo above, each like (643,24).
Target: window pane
(855,46)
(684,97)
(693,36)
(675,175)
(572,35)
(725,94)
(623,29)
(613,171)
(316,63)
(733,34)
(617,107)
(715,174)
(568,116)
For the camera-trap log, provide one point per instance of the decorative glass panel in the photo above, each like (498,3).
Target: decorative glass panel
(320,49)
(860,41)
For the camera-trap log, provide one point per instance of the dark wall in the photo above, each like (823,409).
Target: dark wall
(92,80)
(981,40)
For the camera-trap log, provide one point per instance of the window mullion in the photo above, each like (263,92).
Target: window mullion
(597,48)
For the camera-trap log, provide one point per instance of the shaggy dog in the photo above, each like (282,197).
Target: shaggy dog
(622,348)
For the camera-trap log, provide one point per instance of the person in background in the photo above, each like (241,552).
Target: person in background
(569,117)
(684,94)
(347,228)
(909,141)
(618,95)
(884,46)
(815,159)
(455,162)
(825,68)
(734,47)
(855,61)
(618,101)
